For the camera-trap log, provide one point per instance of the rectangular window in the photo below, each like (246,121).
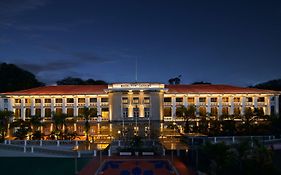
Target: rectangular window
(179,99)
(70,100)
(37,100)
(58,100)
(135,100)
(224,99)
(93,100)
(27,100)
(5,100)
(167,99)
(104,99)
(146,100)
(190,99)
(125,112)
(146,112)
(125,100)
(214,99)
(48,112)
(249,99)
(261,99)
(47,100)
(38,112)
(17,100)
(236,99)
(202,99)
(81,100)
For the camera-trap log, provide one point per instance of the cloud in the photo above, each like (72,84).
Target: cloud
(10,8)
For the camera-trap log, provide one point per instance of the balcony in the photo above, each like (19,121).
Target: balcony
(236,103)
(179,103)
(81,104)
(249,104)
(58,104)
(167,103)
(37,104)
(93,104)
(27,104)
(261,103)
(47,104)
(214,103)
(202,103)
(225,103)
(104,103)
(70,104)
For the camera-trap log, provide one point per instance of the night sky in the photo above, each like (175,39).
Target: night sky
(234,42)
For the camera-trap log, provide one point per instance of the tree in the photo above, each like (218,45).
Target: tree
(201,82)
(79,81)
(87,113)
(248,115)
(13,78)
(59,121)
(23,128)
(5,118)
(176,80)
(181,111)
(35,122)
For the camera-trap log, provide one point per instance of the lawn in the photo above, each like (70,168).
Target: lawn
(40,165)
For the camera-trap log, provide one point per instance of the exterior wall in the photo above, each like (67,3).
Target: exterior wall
(115,111)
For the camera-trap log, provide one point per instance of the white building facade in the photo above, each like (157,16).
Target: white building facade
(128,101)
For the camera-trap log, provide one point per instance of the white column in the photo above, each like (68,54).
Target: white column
(197,105)
(53,104)
(11,103)
(64,105)
(220,106)
(32,107)
(255,99)
(231,100)
(130,106)
(141,106)
(185,101)
(99,105)
(22,107)
(75,108)
(87,101)
(174,106)
(268,105)
(243,105)
(42,107)
(276,105)
(208,105)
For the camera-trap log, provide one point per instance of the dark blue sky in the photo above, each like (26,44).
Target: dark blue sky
(228,42)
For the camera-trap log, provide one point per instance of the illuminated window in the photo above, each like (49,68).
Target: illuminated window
(214,99)
(135,100)
(80,111)
(236,99)
(136,112)
(59,111)
(236,111)
(214,111)
(146,100)
(125,100)
(167,99)
(70,112)
(17,100)
(47,100)
(27,112)
(167,112)
(190,99)
(17,113)
(249,99)
(37,100)
(48,112)
(225,110)
(202,111)
(59,100)
(27,100)
(93,100)
(70,100)
(81,100)
(260,99)
(202,99)
(224,99)
(38,112)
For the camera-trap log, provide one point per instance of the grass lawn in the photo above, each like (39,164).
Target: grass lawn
(40,165)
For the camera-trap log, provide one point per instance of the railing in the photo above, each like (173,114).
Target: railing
(167,103)
(47,104)
(261,103)
(58,104)
(238,139)
(225,103)
(249,103)
(104,103)
(214,103)
(179,103)
(237,103)
(202,103)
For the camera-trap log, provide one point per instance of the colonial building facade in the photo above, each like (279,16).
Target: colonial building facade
(128,101)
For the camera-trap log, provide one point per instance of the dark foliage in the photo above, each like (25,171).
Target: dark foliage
(271,85)
(79,81)
(201,82)
(13,78)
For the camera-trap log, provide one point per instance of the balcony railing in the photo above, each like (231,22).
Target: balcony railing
(47,104)
(249,103)
(225,103)
(202,103)
(167,103)
(214,103)
(237,103)
(261,103)
(104,103)
(179,103)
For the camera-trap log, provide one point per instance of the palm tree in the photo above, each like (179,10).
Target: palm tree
(87,114)
(35,122)
(59,121)
(23,128)
(5,118)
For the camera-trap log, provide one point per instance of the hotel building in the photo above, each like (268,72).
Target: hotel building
(127,101)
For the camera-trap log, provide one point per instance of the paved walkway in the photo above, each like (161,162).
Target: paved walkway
(92,167)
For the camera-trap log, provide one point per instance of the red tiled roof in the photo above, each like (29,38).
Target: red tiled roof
(99,89)
(62,90)
(209,88)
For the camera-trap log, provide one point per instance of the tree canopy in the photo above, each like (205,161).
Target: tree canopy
(271,85)
(79,81)
(13,78)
